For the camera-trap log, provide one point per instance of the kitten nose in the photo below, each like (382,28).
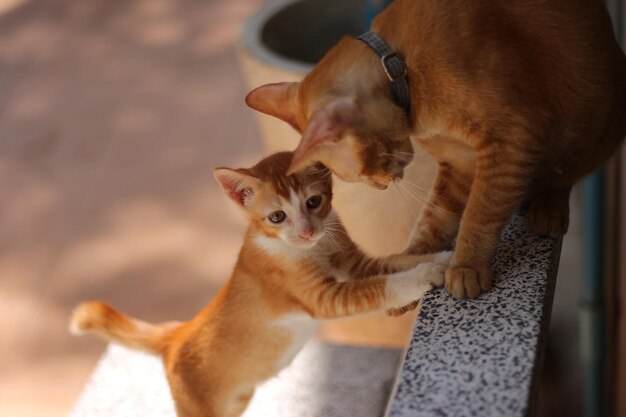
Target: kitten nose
(306,233)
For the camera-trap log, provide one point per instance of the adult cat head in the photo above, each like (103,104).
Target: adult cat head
(346,114)
(291,208)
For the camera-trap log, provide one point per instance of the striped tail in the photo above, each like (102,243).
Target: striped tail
(108,323)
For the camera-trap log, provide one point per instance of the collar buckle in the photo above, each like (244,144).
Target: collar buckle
(389,68)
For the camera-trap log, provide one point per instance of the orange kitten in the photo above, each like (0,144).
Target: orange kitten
(297,266)
(516,100)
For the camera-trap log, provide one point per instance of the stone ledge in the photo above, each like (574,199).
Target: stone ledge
(483,357)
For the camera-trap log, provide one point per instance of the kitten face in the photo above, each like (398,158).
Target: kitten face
(291,208)
(297,220)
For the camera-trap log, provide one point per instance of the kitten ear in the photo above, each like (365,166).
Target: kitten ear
(277,100)
(326,126)
(239,187)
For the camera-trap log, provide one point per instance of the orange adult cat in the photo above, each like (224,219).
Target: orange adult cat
(516,100)
(297,266)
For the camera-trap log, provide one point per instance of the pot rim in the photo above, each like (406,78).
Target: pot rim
(251,39)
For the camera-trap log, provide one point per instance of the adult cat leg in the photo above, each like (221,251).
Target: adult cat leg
(548,214)
(501,179)
(439,221)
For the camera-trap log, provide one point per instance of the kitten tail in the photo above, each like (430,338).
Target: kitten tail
(108,323)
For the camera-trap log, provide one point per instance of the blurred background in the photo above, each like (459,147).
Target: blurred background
(112,116)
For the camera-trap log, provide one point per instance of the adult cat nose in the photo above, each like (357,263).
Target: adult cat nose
(306,233)
(396,169)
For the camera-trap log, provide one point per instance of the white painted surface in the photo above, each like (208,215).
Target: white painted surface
(128,383)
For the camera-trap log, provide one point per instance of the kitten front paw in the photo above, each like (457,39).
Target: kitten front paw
(426,277)
(443,258)
(464,282)
(431,273)
(407,287)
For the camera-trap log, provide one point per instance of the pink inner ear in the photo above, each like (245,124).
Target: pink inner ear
(317,131)
(237,196)
(235,188)
(332,121)
(328,124)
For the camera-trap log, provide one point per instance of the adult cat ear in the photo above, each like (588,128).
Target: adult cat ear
(239,187)
(277,100)
(327,125)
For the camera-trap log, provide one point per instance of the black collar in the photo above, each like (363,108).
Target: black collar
(394,67)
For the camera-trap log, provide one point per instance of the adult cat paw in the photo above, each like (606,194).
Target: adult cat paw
(549,216)
(464,282)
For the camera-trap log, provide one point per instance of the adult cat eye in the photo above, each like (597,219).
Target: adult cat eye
(314,202)
(277,217)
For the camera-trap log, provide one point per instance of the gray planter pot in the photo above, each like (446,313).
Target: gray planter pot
(295,34)
(284,40)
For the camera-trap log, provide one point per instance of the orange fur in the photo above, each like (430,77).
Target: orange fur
(287,276)
(516,100)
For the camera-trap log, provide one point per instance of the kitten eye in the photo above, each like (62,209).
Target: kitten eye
(277,217)
(314,202)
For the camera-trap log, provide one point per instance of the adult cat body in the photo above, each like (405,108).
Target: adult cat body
(297,266)
(516,100)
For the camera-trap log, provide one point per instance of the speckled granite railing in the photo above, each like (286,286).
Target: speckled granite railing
(483,357)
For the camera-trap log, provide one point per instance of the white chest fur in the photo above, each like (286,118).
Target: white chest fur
(301,328)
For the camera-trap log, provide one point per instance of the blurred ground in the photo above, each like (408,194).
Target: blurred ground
(112,116)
